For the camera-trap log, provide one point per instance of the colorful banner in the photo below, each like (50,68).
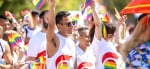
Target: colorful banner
(38,3)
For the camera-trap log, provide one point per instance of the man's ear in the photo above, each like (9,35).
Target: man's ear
(41,20)
(76,36)
(58,26)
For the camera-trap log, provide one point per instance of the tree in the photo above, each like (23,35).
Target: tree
(16,6)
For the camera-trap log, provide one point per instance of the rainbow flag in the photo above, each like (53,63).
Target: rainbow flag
(41,57)
(104,32)
(106,19)
(89,13)
(75,19)
(83,8)
(10,16)
(38,3)
(36,65)
(40,62)
(85,5)
(14,39)
(29,19)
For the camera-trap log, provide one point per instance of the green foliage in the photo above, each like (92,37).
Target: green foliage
(119,4)
(16,6)
(67,4)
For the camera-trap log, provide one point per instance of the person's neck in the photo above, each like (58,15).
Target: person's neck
(63,34)
(83,47)
(43,30)
(109,39)
(31,28)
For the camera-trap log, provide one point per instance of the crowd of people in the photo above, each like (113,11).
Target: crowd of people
(54,42)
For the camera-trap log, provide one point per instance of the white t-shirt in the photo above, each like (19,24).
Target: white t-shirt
(64,58)
(106,54)
(37,44)
(85,59)
(3,43)
(31,32)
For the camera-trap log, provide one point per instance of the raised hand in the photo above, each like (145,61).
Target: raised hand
(122,19)
(51,3)
(92,5)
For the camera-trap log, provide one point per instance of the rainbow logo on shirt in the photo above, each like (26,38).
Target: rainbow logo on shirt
(108,60)
(62,62)
(63,65)
(110,64)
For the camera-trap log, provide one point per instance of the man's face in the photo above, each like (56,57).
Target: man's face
(46,16)
(5,24)
(45,20)
(36,20)
(66,25)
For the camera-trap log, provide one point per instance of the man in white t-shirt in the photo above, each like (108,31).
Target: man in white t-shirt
(31,30)
(60,48)
(37,43)
(5,53)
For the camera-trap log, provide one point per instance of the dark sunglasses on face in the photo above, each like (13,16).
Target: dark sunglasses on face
(69,24)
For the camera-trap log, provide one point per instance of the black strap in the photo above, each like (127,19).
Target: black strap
(1,48)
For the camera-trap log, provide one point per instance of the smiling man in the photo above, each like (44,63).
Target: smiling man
(60,48)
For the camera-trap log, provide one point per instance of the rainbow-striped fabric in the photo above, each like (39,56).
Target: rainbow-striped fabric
(85,5)
(10,16)
(29,19)
(110,64)
(40,62)
(14,39)
(38,3)
(109,60)
(104,32)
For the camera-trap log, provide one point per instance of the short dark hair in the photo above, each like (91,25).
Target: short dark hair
(60,15)
(91,33)
(43,13)
(82,29)
(110,28)
(141,16)
(34,13)
(3,17)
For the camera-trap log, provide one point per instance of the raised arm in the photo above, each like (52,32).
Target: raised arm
(118,37)
(97,22)
(51,21)
(50,35)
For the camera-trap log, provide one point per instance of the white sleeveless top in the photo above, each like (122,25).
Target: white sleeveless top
(2,47)
(64,58)
(85,59)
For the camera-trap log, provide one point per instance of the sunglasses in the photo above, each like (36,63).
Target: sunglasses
(69,24)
